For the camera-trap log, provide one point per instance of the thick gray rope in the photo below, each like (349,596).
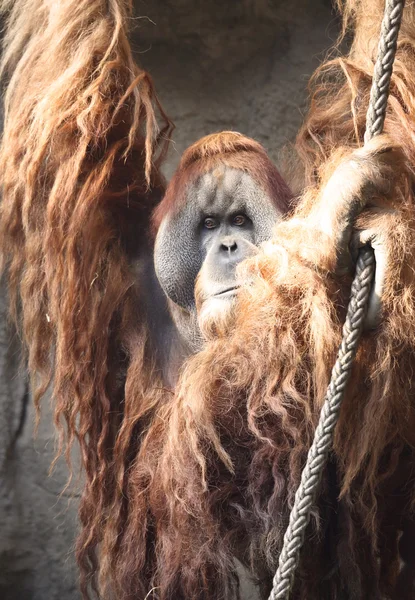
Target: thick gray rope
(317,456)
(382,74)
(359,299)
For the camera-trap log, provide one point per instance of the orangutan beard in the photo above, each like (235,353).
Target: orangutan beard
(215,312)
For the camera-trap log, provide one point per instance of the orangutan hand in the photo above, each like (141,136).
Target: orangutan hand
(357,207)
(377,235)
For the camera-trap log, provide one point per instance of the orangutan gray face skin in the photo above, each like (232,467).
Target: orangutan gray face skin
(224,219)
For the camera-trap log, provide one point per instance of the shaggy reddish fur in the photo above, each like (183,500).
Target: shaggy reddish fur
(84,136)
(177,485)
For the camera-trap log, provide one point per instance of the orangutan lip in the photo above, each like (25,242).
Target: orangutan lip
(228,292)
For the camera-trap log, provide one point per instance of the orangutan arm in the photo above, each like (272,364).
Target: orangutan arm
(355,207)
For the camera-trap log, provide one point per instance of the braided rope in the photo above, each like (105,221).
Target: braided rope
(359,299)
(382,74)
(318,453)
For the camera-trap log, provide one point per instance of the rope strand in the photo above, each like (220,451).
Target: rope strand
(359,299)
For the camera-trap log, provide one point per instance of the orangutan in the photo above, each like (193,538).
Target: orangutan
(188,334)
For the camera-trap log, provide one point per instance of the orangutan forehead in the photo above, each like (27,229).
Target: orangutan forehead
(226,188)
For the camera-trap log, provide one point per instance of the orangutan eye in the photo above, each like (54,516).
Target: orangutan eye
(239,220)
(210,223)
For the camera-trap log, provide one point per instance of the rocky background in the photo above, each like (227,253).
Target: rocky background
(217,64)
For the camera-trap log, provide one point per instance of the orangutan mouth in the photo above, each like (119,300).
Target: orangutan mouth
(231,291)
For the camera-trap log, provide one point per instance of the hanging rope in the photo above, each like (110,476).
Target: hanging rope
(365,269)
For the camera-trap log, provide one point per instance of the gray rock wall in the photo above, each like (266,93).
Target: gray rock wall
(219,64)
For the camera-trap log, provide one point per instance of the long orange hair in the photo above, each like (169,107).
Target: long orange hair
(84,137)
